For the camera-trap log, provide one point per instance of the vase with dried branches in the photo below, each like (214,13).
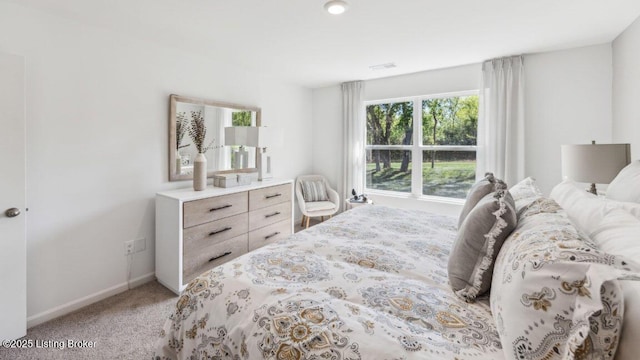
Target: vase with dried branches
(182,126)
(198,133)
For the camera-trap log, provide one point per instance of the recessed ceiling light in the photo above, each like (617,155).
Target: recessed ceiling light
(336,7)
(382,66)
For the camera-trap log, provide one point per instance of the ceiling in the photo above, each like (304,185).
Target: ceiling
(298,42)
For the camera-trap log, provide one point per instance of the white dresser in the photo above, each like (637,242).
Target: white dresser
(198,230)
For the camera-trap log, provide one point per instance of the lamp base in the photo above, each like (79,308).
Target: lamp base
(240,158)
(592,189)
(264,167)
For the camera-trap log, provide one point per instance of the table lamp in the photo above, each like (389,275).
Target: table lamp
(241,136)
(256,136)
(594,163)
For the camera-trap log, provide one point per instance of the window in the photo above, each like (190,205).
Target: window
(438,158)
(242,118)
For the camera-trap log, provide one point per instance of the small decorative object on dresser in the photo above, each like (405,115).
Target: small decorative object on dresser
(198,133)
(200,172)
(198,230)
(231,180)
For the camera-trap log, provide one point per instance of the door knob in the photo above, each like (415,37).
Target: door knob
(13,212)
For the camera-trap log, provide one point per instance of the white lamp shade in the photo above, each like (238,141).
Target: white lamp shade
(594,163)
(241,135)
(265,137)
(257,136)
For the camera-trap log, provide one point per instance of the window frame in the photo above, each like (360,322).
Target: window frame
(417,146)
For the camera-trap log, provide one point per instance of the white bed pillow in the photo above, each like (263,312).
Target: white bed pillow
(619,234)
(568,191)
(583,208)
(524,193)
(626,185)
(586,210)
(631,208)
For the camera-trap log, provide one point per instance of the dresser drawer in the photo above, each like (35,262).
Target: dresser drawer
(269,234)
(201,211)
(195,263)
(271,195)
(198,237)
(196,229)
(270,215)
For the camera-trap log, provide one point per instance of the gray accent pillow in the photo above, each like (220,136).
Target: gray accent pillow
(314,190)
(478,242)
(479,190)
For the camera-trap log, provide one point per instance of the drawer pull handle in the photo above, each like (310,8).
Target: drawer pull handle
(220,208)
(272,196)
(274,214)
(220,256)
(220,231)
(272,235)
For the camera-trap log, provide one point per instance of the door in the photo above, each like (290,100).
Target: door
(13,250)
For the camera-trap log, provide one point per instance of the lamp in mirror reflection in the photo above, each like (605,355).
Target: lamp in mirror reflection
(256,136)
(240,136)
(594,163)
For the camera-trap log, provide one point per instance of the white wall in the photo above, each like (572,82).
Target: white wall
(97,115)
(568,100)
(327,135)
(626,88)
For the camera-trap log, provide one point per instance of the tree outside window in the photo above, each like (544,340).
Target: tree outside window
(444,145)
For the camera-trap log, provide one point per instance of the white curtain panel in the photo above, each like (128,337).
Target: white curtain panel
(354,137)
(501,120)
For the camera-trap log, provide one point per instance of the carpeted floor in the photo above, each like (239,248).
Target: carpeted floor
(124,326)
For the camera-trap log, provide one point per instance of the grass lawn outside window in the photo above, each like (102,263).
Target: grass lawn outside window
(447,179)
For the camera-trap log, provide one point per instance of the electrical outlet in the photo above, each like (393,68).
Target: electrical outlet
(134,246)
(140,245)
(129,247)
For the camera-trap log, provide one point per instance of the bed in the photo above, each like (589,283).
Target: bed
(372,283)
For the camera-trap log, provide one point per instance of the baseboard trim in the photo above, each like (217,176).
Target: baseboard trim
(74,305)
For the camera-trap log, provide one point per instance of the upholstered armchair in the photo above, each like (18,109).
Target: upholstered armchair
(315,198)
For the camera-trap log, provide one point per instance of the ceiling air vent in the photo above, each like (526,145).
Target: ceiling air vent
(383,66)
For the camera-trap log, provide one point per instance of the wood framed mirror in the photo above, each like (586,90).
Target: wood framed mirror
(217,115)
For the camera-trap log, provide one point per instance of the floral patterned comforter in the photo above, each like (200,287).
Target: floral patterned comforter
(368,284)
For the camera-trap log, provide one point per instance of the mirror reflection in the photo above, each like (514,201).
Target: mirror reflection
(216,116)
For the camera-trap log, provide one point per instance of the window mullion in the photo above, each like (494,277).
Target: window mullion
(416,152)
